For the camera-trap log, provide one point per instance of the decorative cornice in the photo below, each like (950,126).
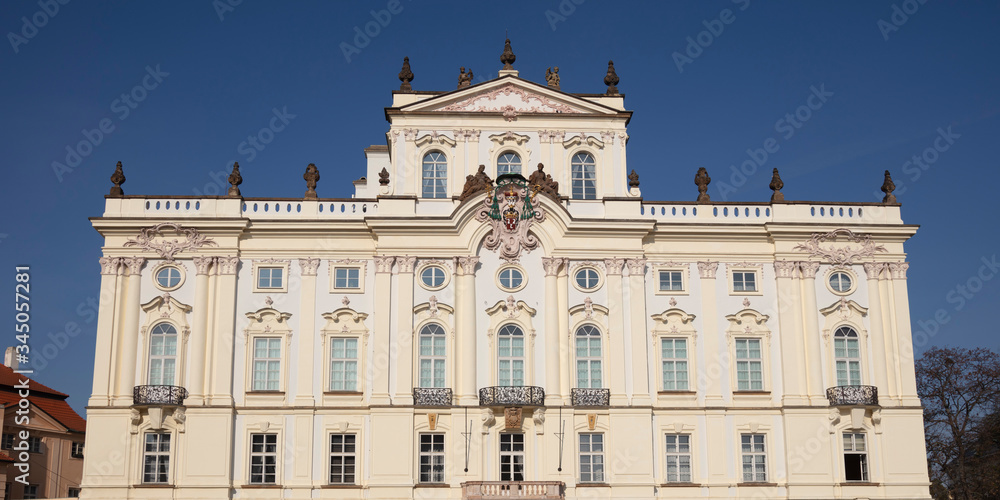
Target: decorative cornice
(544,104)
(509,136)
(784,269)
(383,264)
(406,263)
(734,265)
(841,255)
(671,263)
(435,138)
(614,265)
(707,269)
(583,138)
(168,248)
(309,266)
(809,269)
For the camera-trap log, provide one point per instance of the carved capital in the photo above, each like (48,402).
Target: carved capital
(784,269)
(109,265)
(383,264)
(406,263)
(201,264)
(614,266)
(708,269)
(636,267)
(875,270)
(898,270)
(467,265)
(134,264)
(552,265)
(227,265)
(309,266)
(809,269)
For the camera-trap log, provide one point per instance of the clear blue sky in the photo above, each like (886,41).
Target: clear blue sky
(893,86)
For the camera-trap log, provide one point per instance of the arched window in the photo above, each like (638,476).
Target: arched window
(848,356)
(583,177)
(509,163)
(588,358)
(435,175)
(510,356)
(432,356)
(163,354)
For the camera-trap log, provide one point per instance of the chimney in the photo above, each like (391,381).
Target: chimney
(10,358)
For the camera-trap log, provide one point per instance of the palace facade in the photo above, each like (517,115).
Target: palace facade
(499,312)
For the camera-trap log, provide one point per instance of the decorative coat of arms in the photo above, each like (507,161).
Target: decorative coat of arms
(511,208)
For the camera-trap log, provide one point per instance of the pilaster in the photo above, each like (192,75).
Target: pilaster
(403,341)
(199,337)
(553,364)
(904,335)
(810,330)
(793,355)
(221,392)
(307,333)
(380,335)
(465,320)
(106,314)
(566,371)
(616,326)
(637,310)
(130,328)
(717,365)
(874,271)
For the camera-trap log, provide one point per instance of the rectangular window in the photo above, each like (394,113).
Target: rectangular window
(511,362)
(511,457)
(30,491)
(432,356)
(347,277)
(744,281)
(343,364)
(266,364)
(591,458)
(671,281)
(342,458)
(588,361)
(432,458)
(848,358)
(263,458)
(73,492)
(35,445)
(270,277)
(749,365)
(8,441)
(855,457)
(77,450)
(754,458)
(675,367)
(678,458)
(156,458)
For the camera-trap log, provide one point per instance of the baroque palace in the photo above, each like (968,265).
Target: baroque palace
(498,312)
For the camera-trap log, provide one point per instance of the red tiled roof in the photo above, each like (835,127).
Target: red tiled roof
(48,400)
(5,457)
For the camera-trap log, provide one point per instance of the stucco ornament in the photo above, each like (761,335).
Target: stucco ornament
(511,208)
(840,254)
(168,248)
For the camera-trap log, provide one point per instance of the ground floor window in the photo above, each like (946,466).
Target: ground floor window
(343,458)
(511,457)
(855,457)
(432,458)
(591,458)
(156,458)
(678,458)
(263,458)
(754,458)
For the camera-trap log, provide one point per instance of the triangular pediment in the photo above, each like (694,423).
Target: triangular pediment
(509,95)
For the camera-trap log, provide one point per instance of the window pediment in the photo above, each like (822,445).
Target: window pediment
(747,322)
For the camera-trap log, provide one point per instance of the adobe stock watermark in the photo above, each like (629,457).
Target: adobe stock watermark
(899,17)
(223,7)
(31,25)
(255,143)
(713,29)
(122,107)
(566,8)
(920,163)
(372,29)
(786,127)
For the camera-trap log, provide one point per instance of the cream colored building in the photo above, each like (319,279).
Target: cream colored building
(433,338)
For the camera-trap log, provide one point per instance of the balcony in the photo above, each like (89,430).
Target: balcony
(590,397)
(432,396)
(853,395)
(158,395)
(512,396)
(503,490)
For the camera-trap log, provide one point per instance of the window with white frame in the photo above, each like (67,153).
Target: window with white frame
(509,163)
(678,458)
(511,279)
(510,356)
(34,444)
(162,354)
(583,177)
(587,278)
(77,450)
(592,458)
(840,282)
(30,491)
(749,365)
(73,492)
(433,277)
(432,458)
(156,458)
(435,181)
(432,361)
(343,458)
(588,358)
(263,458)
(266,364)
(671,281)
(673,354)
(347,278)
(848,356)
(855,457)
(754,458)
(744,281)
(343,364)
(168,278)
(511,456)
(270,277)
(8,441)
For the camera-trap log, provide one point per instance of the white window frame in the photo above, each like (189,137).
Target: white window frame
(330,454)
(677,454)
(520,162)
(438,175)
(434,458)
(34,444)
(757,272)
(589,359)
(573,176)
(515,267)
(252,347)
(513,455)
(433,358)
(73,492)
(174,266)
(759,458)
(33,492)
(851,448)
(150,358)
(523,358)
(596,271)
(160,454)
(76,450)
(684,275)
(837,359)
(686,360)
(850,275)
(595,458)
(737,360)
(259,264)
(444,270)
(263,455)
(330,344)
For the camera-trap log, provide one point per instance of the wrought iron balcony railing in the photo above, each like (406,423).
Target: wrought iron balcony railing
(504,490)
(432,396)
(167,395)
(512,396)
(590,397)
(853,395)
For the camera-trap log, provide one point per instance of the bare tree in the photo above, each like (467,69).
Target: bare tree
(960,391)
